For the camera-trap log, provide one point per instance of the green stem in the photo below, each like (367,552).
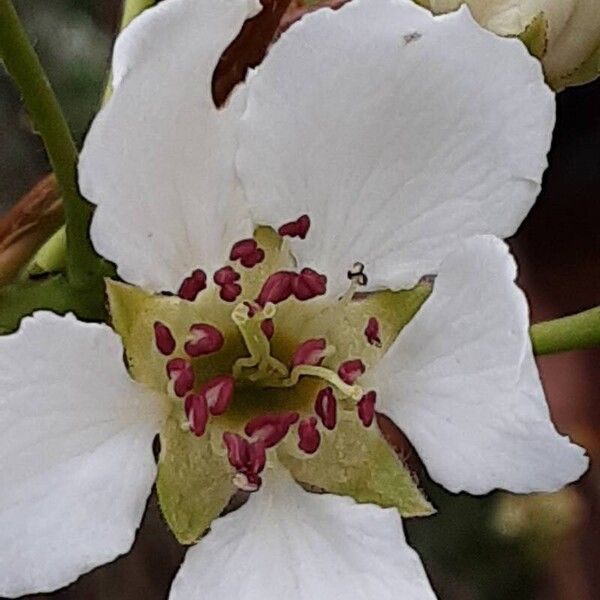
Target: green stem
(23,64)
(575,332)
(131,9)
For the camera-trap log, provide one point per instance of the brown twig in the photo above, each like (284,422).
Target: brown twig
(27,225)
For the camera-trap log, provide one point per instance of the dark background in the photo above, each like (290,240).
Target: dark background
(494,548)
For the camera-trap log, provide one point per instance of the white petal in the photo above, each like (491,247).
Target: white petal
(76,463)
(462,383)
(397,132)
(158,160)
(286,543)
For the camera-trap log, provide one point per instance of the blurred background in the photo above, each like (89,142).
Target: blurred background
(492,548)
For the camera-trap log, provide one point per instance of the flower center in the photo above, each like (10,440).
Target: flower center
(285,376)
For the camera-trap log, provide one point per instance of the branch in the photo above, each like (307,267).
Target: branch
(23,65)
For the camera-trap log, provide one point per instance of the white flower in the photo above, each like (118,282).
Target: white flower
(406,142)
(564,34)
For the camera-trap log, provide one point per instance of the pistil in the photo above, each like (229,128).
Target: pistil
(257,344)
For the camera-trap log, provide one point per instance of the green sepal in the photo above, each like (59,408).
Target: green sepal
(344,328)
(535,36)
(50,292)
(133,312)
(194,479)
(356,461)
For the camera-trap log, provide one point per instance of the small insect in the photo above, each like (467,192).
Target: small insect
(357,274)
(411,37)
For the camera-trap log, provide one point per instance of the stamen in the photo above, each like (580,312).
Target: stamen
(225,275)
(226,279)
(326,407)
(237,450)
(203,339)
(257,457)
(311,352)
(248,460)
(372,332)
(247,252)
(298,228)
(256,342)
(309,436)
(181,376)
(277,288)
(366,408)
(350,370)
(270,429)
(192,285)
(308,284)
(196,411)
(218,393)
(247,482)
(163,338)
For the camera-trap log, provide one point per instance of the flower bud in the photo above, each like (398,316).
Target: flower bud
(563,34)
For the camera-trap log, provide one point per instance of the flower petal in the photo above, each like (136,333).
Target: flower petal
(158,160)
(76,463)
(287,543)
(462,383)
(398,133)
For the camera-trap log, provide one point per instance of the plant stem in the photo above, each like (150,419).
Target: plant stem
(23,64)
(575,332)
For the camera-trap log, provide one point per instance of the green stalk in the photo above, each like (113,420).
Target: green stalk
(576,332)
(23,65)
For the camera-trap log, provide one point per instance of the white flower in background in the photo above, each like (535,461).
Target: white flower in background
(564,34)
(383,144)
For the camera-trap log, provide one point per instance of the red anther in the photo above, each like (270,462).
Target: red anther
(218,393)
(196,411)
(309,284)
(257,457)
(366,408)
(247,252)
(163,338)
(298,228)
(243,248)
(372,332)
(225,275)
(230,291)
(310,352)
(270,429)
(247,458)
(309,436)
(277,288)
(326,407)
(180,372)
(252,259)
(268,328)
(238,452)
(351,370)
(192,285)
(203,339)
